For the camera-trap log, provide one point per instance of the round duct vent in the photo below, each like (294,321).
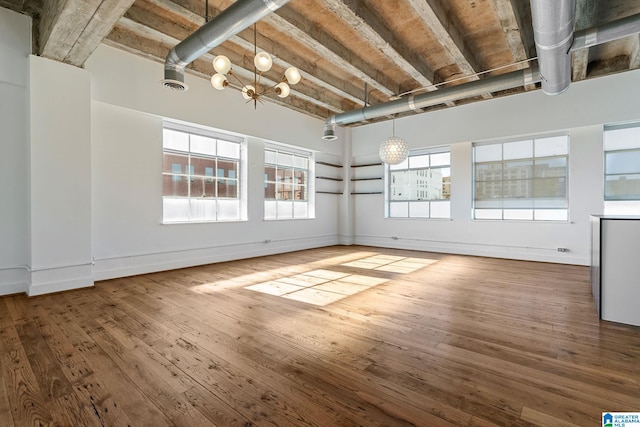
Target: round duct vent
(175,85)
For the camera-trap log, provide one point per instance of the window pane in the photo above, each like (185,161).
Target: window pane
(202,209)
(228,149)
(285,159)
(623,162)
(203,187)
(300,177)
(418,185)
(622,187)
(227,188)
(400,166)
(300,192)
(518,189)
(551,215)
(553,146)
(301,162)
(419,209)
(441,159)
(400,188)
(175,186)
(270,209)
(203,145)
(285,209)
(621,139)
(518,214)
(491,190)
(488,213)
(517,169)
(419,161)
(227,169)
(300,209)
(174,163)
(203,165)
(174,140)
(228,209)
(488,171)
(270,173)
(270,191)
(399,210)
(175,210)
(270,157)
(518,150)
(551,167)
(488,153)
(550,187)
(440,209)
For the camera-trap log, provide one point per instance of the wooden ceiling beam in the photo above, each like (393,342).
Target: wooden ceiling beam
(585,18)
(71,30)
(282,57)
(372,29)
(446,32)
(308,33)
(141,38)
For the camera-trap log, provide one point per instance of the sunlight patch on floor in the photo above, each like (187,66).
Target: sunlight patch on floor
(390,263)
(318,287)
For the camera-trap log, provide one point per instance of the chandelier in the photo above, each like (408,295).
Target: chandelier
(254,91)
(393,150)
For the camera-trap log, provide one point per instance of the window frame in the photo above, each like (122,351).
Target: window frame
(208,203)
(624,149)
(428,201)
(521,214)
(281,204)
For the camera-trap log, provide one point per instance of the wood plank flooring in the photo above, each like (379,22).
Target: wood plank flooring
(338,336)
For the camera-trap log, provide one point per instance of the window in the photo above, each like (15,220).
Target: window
(622,169)
(200,175)
(522,180)
(420,187)
(286,184)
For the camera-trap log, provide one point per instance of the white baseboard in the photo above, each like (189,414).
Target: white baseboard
(525,254)
(13,280)
(142,264)
(46,281)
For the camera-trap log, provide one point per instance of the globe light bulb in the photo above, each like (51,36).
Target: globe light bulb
(263,61)
(292,75)
(219,81)
(282,90)
(221,64)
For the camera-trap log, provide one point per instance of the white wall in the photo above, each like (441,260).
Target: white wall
(581,111)
(15,45)
(60,226)
(127,109)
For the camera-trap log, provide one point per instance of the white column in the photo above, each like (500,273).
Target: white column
(60,177)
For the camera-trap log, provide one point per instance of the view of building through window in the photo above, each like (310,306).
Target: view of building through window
(420,187)
(522,180)
(286,184)
(200,176)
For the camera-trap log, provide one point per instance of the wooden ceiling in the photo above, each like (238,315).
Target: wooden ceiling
(348,51)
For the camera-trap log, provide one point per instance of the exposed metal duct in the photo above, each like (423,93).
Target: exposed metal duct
(611,31)
(428,99)
(230,22)
(553,22)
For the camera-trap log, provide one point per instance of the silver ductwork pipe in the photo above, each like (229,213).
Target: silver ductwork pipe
(553,22)
(230,22)
(611,31)
(416,102)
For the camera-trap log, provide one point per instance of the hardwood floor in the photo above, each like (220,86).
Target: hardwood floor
(353,336)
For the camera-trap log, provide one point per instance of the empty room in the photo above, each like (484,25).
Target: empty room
(319,213)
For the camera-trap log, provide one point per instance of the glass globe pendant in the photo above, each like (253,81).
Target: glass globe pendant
(393,150)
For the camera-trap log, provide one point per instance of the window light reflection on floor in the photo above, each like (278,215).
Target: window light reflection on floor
(322,287)
(318,287)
